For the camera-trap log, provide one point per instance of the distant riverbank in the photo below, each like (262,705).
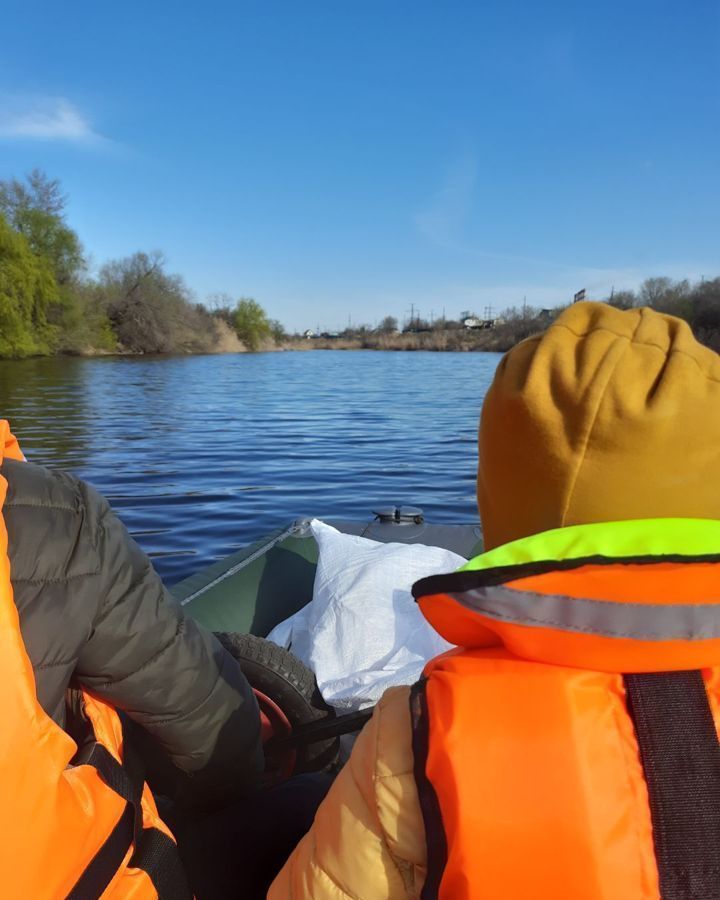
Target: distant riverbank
(499,339)
(486,341)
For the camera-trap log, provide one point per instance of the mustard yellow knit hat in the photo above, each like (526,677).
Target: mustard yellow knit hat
(608,415)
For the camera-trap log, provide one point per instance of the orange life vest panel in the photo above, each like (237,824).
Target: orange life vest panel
(568,749)
(78,820)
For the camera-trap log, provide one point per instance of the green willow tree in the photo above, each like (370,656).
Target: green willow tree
(35,208)
(27,290)
(251,323)
(277,331)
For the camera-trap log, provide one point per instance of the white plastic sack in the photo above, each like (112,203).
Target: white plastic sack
(363,632)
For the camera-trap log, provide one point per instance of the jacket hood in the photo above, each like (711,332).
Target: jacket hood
(9,446)
(609,415)
(637,596)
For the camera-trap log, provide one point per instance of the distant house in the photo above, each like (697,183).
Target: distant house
(474,324)
(309,334)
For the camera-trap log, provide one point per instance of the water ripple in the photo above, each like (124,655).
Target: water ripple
(200,455)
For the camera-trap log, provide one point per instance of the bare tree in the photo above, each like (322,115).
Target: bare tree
(389,325)
(654,290)
(152,311)
(622,299)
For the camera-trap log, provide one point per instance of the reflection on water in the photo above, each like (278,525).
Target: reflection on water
(200,455)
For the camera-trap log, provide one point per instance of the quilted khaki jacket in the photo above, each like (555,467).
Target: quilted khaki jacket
(368,839)
(94,612)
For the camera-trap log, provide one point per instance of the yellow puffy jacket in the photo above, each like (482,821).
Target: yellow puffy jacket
(368,840)
(609,415)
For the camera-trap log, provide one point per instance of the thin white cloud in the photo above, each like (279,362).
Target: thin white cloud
(45,119)
(448,209)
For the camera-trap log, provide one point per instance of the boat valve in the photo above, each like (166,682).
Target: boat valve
(399,515)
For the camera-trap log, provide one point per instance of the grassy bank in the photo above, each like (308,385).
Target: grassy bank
(498,339)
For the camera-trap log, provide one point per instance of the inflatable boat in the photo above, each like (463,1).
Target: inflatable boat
(242,597)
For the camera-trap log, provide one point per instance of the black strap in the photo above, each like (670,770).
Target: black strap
(158,855)
(435,837)
(127,784)
(127,780)
(320,730)
(155,852)
(99,873)
(680,756)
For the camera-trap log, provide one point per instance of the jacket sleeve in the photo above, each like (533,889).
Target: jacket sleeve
(368,838)
(167,673)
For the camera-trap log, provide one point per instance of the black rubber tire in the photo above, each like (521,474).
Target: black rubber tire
(276,672)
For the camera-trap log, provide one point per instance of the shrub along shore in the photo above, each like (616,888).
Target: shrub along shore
(51,304)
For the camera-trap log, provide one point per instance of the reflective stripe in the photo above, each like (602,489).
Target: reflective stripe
(647,537)
(601,617)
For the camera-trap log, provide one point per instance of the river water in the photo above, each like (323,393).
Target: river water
(200,455)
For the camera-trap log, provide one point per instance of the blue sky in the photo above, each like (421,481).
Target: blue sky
(337,159)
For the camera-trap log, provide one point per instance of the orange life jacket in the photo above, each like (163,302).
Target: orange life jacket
(569,748)
(78,821)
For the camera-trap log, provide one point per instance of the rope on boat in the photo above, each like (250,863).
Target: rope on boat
(233,570)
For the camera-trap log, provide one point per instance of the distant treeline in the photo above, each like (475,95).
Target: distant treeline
(698,303)
(49,302)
